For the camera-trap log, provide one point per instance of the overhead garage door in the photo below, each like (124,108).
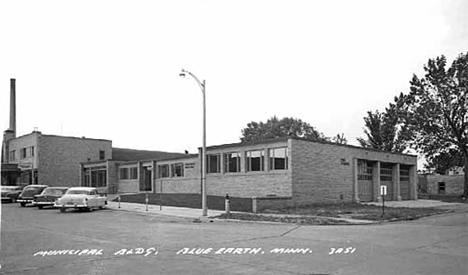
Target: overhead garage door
(386,179)
(404,182)
(365,185)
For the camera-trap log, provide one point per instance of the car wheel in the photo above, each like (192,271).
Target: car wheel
(63,209)
(23,204)
(13,200)
(89,209)
(40,206)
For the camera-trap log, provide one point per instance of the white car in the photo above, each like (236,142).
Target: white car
(81,198)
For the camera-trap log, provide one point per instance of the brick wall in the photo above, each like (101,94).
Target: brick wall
(59,158)
(453,184)
(324,172)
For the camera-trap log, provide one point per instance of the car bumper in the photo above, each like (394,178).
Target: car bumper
(43,203)
(6,199)
(25,200)
(75,205)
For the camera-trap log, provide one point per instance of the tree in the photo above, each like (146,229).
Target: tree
(275,128)
(436,109)
(385,131)
(340,139)
(443,161)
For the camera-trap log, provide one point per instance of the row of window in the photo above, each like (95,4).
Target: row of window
(177,170)
(254,161)
(23,153)
(128,173)
(365,171)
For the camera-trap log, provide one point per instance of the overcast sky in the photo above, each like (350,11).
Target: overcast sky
(110,69)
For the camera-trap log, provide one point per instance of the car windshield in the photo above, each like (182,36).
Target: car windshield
(75,192)
(54,192)
(33,188)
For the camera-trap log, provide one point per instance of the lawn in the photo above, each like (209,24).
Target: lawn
(356,211)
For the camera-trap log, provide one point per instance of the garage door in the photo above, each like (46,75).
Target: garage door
(404,182)
(365,185)
(386,179)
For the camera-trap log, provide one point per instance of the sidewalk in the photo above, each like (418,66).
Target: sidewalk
(181,212)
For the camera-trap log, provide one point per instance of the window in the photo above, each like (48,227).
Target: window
(386,172)
(134,173)
(23,153)
(31,151)
(13,155)
(278,158)
(441,188)
(212,164)
(124,173)
(232,162)
(364,170)
(404,173)
(95,177)
(163,171)
(87,178)
(102,154)
(177,170)
(255,160)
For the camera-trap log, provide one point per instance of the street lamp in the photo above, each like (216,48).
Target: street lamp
(202,86)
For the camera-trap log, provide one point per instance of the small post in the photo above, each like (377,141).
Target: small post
(383,192)
(254,204)
(118,197)
(146,200)
(227,203)
(160,196)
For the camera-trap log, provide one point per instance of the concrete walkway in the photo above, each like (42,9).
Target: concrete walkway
(422,204)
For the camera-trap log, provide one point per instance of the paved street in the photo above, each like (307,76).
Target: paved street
(120,242)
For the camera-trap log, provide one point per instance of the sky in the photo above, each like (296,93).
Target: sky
(110,69)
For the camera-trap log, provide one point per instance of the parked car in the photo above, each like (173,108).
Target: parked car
(48,196)
(81,198)
(29,191)
(10,193)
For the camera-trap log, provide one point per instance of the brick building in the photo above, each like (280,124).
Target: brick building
(277,171)
(48,159)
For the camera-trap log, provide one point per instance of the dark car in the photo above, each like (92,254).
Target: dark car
(27,196)
(48,196)
(10,193)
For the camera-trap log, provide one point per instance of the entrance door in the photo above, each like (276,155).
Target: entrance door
(145,184)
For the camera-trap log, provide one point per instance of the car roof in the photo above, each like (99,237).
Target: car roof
(82,188)
(57,187)
(36,185)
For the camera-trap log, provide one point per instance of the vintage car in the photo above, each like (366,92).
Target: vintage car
(81,198)
(29,191)
(48,196)
(10,192)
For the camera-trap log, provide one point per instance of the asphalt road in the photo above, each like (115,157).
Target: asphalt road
(116,242)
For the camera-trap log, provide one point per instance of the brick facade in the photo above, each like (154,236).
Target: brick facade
(453,184)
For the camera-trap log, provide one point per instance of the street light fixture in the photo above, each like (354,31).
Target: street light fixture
(203,177)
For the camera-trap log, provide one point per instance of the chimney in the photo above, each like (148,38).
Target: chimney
(13,106)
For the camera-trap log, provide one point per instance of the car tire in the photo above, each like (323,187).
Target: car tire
(13,200)
(23,204)
(40,206)
(63,209)
(89,209)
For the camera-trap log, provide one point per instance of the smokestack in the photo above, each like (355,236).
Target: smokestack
(13,106)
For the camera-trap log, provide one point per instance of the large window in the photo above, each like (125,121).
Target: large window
(386,172)
(278,158)
(213,164)
(404,173)
(102,154)
(177,170)
(163,171)
(255,160)
(364,170)
(232,162)
(13,155)
(124,173)
(95,177)
(134,173)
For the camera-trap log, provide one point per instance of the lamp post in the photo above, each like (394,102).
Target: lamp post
(203,177)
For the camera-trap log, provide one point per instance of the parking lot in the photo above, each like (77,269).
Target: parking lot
(108,241)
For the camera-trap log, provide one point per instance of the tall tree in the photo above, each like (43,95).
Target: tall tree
(275,128)
(340,139)
(385,131)
(437,109)
(443,161)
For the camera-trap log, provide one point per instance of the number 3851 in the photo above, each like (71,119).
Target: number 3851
(341,250)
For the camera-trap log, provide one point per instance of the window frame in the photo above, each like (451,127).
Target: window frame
(248,161)
(230,163)
(161,170)
(209,164)
(272,158)
(174,167)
